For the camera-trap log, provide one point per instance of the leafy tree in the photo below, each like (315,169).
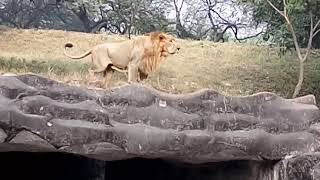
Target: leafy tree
(122,16)
(24,13)
(277,31)
(116,16)
(213,20)
(296,15)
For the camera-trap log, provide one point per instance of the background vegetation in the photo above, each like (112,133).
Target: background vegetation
(237,47)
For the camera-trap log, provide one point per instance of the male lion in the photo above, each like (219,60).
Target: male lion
(139,56)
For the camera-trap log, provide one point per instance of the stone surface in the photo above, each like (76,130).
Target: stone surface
(28,138)
(136,121)
(3,136)
(299,167)
(316,171)
(309,99)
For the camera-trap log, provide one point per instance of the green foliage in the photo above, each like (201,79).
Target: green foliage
(117,16)
(262,70)
(62,68)
(299,13)
(124,15)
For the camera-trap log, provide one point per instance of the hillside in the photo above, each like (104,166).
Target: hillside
(230,68)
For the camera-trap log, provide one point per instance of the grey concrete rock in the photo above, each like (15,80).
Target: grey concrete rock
(316,171)
(298,167)
(136,121)
(28,138)
(3,136)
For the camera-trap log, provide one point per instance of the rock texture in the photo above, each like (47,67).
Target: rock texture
(135,121)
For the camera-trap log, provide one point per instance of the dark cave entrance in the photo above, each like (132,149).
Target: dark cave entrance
(60,166)
(157,169)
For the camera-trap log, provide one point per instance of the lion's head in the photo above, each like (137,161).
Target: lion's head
(161,46)
(167,43)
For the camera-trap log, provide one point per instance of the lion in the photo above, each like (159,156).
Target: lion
(138,57)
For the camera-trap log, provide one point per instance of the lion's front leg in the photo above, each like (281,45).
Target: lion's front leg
(132,72)
(108,76)
(142,76)
(91,73)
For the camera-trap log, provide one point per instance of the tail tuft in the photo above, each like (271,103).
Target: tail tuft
(68,45)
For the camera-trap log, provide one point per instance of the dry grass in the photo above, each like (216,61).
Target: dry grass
(230,68)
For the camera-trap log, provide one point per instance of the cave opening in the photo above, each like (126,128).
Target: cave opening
(157,169)
(62,166)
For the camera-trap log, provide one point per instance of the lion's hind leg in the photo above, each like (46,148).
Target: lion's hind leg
(108,73)
(92,71)
(100,62)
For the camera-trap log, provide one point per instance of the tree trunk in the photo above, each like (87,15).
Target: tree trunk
(83,16)
(300,81)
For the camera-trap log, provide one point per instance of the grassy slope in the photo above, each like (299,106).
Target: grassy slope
(230,68)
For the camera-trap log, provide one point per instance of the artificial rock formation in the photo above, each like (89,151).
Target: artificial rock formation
(272,137)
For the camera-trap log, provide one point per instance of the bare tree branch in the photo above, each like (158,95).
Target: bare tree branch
(315,29)
(249,37)
(284,13)
(310,38)
(303,58)
(316,32)
(182,2)
(294,36)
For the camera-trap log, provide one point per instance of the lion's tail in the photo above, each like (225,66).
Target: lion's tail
(119,70)
(70,45)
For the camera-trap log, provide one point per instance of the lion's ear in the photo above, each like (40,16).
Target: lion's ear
(161,37)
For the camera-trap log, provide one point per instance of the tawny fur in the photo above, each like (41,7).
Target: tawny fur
(138,57)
